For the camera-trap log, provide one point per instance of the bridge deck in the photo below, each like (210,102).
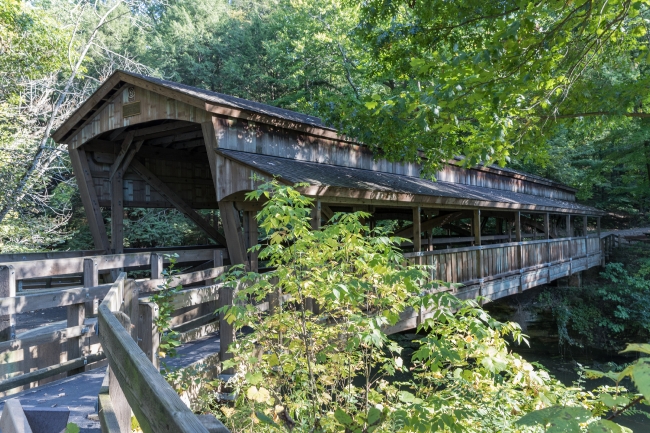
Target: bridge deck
(79,392)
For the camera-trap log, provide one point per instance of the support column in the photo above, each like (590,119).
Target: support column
(251,238)
(157,266)
(585,225)
(518,226)
(417,233)
(316,215)
(520,260)
(226,330)
(91,279)
(547,232)
(233,233)
(569,231)
(7,289)
(310,303)
(117,213)
(476,224)
(89,198)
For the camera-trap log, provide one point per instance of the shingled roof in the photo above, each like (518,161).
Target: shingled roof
(317,174)
(234,102)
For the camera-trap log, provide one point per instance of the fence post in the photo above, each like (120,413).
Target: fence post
(76,317)
(91,279)
(7,289)
(226,330)
(148,337)
(217,262)
(157,266)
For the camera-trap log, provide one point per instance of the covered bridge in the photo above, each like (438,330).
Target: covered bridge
(144,142)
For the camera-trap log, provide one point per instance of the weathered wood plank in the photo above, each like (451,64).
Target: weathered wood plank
(155,404)
(34,376)
(7,290)
(62,298)
(182,279)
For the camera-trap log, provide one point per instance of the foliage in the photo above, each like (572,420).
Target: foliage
(163,298)
(489,79)
(334,368)
(610,312)
(617,400)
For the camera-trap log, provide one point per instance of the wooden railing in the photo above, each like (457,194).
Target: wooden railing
(48,353)
(531,263)
(132,382)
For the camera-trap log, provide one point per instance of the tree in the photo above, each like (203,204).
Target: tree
(489,79)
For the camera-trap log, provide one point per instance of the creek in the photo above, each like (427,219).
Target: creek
(562,361)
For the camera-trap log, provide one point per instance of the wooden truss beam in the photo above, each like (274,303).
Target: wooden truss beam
(176,201)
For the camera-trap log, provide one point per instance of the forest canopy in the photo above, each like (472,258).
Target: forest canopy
(557,88)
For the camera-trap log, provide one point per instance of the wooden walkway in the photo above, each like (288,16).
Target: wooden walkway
(79,392)
(123,330)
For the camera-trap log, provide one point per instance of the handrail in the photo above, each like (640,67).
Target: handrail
(155,404)
(491,246)
(74,265)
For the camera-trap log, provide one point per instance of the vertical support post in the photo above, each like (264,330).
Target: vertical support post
(310,303)
(585,225)
(117,213)
(91,279)
(131,306)
(7,290)
(157,266)
(226,330)
(477,242)
(316,215)
(252,238)
(148,337)
(417,233)
(520,259)
(89,198)
(76,317)
(217,262)
(518,226)
(232,230)
(598,226)
(569,231)
(547,231)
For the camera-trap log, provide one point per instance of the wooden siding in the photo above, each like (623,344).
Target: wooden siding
(153,106)
(516,183)
(248,136)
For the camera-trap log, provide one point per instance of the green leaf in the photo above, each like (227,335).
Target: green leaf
(72,428)
(265,419)
(557,419)
(342,417)
(612,401)
(635,347)
(641,378)
(374,415)
(254,378)
(604,426)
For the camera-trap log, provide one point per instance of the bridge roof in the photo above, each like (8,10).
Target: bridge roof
(373,185)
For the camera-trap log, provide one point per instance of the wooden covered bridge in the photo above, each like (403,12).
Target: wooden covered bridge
(145,142)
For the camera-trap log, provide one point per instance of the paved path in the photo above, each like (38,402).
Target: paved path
(79,392)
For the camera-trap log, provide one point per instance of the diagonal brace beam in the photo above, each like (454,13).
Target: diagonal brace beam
(176,201)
